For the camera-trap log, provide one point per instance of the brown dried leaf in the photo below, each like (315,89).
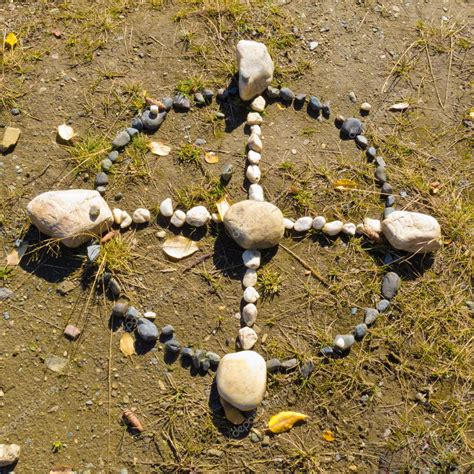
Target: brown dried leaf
(211,157)
(159,148)
(222,207)
(127,344)
(179,247)
(399,107)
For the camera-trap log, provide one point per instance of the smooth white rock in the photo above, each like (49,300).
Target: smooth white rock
(253,173)
(118,215)
(250,278)
(151,315)
(178,218)
(349,228)
(303,224)
(10,453)
(256,129)
(166,207)
(252,258)
(198,216)
(249,314)
(258,104)
(344,341)
(288,223)
(255,67)
(251,295)
(247,338)
(374,225)
(412,231)
(255,143)
(254,157)
(256,192)
(126,220)
(333,228)
(241,379)
(73,216)
(141,215)
(319,222)
(254,118)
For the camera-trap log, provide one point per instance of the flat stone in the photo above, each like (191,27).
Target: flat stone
(360,331)
(273,365)
(6,293)
(390,285)
(247,338)
(371,314)
(11,135)
(307,369)
(147,330)
(72,332)
(241,379)
(254,224)
(412,232)
(303,224)
(55,363)
(289,364)
(66,215)
(255,68)
(121,140)
(382,305)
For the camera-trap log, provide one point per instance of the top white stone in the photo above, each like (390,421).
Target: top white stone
(255,68)
(258,104)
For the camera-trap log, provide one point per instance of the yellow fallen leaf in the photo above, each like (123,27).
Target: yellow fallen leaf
(179,247)
(284,421)
(280,107)
(211,157)
(127,344)
(344,183)
(328,436)
(159,148)
(11,40)
(222,207)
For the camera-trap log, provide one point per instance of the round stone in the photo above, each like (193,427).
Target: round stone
(319,222)
(241,379)
(390,284)
(250,278)
(251,295)
(254,224)
(258,104)
(288,223)
(147,330)
(198,216)
(351,128)
(251,258)
(303,224)
(249,314)
(247,338)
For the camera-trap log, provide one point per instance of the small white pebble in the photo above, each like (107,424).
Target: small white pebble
(150,315)
(303,224)
(126,220)
(154,109)
(252,258)
(365,107)
(250,278)
(258,104)
(249,314)
(288,223)
(254,157)
(166,207)
(118,215)
(254,118)
(253,173)
(251,295)
(333,228)
(198,216)
(161,234)
(255,129)
(247,338)
(256,192)
(255,143)
(349,228)
(178,218)
(141,215)
(319,222)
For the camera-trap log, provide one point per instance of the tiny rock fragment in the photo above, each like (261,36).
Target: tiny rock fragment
(399,107)
(56,33)
(65,134)
(55,363)
(65,287)
(72,332)
(284,421)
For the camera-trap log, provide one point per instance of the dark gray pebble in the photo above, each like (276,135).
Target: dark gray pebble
(101,179)
(213,358)
(181,102)
(286,94)
(120,309)
(199,98)
(121,140)
(386,189)
(113,155)
(106,164)
(360,331)
(327,351)
(361,141)
(273,92)
(227,172)
(371,314)
(172,345)
(132,131)
(390,285)
(351,128)
(387,211)
(382,305)
(379,161)
(132,314)
(338,121)
(208,95)
(15,111)
(289,364)
(167,103)
(114,288)
(222,94)
(93,252)
(205,364)
(307,369)
(371,153)
(326,110)
(197,357)
(390,201)
(273,365)
(147,330)
(381,174)
(137,124)
(152,121)
(167,331)
(314,104)
(187,352)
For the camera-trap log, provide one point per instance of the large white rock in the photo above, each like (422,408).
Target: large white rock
(74,215)
(241,379)
(9,454)
(255,68)
(412,231)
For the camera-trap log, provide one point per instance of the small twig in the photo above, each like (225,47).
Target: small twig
(433,76)
(362,22)
(157,41)
(397,63)
(38,176)
(305,265)
(449,73)
(201,259)
(34,316)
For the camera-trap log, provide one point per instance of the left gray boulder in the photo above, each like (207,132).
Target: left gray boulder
(74,215)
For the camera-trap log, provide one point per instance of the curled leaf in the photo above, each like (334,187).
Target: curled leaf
(11,40)
(127,344)
(344,184)
(222,207)
(159,148)
(179,247)
(328,436)
(211,157)
(284,421)
(399,107)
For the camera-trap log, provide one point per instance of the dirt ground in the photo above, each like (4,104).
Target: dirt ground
(402,400)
